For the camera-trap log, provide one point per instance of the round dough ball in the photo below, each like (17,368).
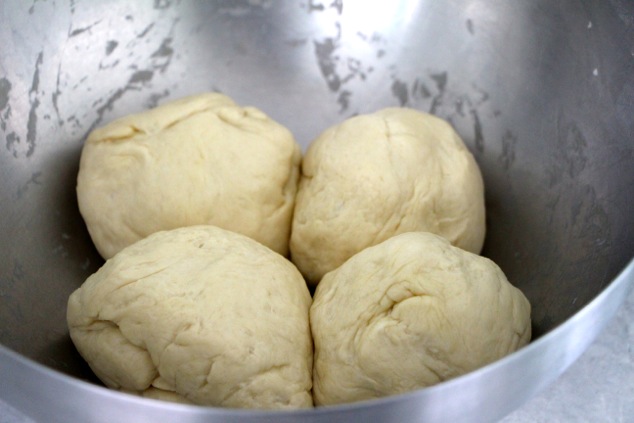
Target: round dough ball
(199,160)
(375,176)
(411,312)
(201,315)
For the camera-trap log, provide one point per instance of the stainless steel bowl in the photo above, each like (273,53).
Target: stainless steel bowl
(541,91)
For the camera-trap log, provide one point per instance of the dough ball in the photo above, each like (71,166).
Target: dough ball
(199,160)
(408,313)
(201,315)
(375,176)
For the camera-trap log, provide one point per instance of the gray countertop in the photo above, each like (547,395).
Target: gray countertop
(599,387)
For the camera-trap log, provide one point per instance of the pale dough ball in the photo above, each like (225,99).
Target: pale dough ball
(375,176)
(201,315)
(198,160)
(408,313)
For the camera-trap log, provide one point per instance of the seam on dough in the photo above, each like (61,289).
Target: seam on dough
(384,312)
(186,116)
(246,383)
(206,381)
(133,281)
(134,132)
(115,325)
(97,321)
(379,236)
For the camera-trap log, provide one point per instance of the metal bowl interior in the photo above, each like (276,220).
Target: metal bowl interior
(542,93)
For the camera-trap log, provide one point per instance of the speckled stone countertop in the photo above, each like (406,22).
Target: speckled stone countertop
(599,387)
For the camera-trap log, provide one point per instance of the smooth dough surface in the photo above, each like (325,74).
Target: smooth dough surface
(200,315)
(374,176)
(198,160)
(408,313)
